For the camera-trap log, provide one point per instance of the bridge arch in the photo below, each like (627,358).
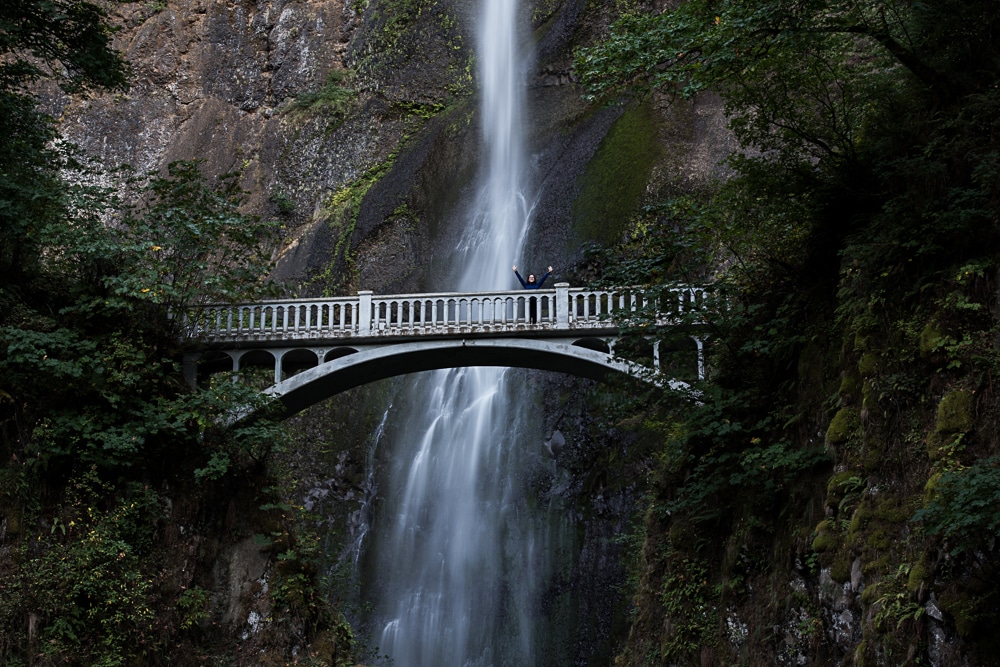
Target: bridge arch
(350,370)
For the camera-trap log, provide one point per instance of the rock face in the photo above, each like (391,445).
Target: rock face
(355,123)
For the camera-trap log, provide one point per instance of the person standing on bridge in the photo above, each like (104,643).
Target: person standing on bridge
(530,283)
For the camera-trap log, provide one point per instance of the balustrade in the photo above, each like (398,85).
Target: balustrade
(367,315)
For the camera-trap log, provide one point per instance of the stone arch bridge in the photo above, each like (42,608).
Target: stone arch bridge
(320,347)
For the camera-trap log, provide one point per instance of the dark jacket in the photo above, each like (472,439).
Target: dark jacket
(526,285)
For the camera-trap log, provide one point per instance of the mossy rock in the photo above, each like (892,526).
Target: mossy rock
(850,388)
(825,539)
(845,424)
(614,183)
(860,653)
(839,486)
(930,488)
(874,453)
(867,395)
(919,575)
(878,538)
(859,521)
(891,509)
(840,569)
(877,567)
(871,594)
(929,338)
(954,413)
(954,417)
(868,364)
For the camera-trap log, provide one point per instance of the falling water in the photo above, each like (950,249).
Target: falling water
(458,553)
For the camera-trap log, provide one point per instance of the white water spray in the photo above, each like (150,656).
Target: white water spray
(458,555)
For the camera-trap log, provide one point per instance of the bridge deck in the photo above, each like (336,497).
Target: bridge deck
(366,318)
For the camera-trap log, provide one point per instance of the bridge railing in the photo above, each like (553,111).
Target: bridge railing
(367,315)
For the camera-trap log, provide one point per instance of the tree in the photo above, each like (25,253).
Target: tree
(863,216)
(70,42)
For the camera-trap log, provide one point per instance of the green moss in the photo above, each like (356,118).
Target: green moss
(891,509)
(840,569)
(825,539)
(929,338)
(840,486)
(859,521)
(876,567)
(850,388)
(930,488)
(846,423)
(868,364)
(874,453)
(954,413)
(878,538)
(614,182)
(334,99)
(919,574)
(859,654)
(867,395)
(954,418)
(837,484)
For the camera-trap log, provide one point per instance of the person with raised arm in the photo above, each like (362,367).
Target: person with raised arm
(530,283)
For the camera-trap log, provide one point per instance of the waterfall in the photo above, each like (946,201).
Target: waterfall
(459,552)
